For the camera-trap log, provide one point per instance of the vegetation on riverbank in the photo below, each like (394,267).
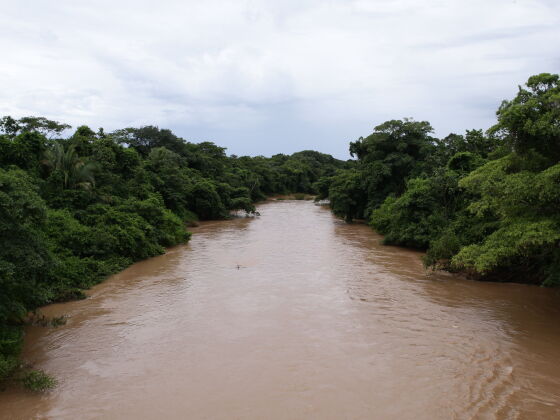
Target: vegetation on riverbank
(76,209)
(484,203)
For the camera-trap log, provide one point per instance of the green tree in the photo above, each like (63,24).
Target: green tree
(396,151)
(41,125)
(421,213)
(525,202)
(347,195)
(530,120)
(205,201)
(75,172)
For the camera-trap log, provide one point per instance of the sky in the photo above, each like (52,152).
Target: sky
(262,77)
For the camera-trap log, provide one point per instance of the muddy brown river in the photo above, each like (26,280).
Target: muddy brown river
(296,315)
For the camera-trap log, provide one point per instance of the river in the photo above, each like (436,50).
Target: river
(296,315)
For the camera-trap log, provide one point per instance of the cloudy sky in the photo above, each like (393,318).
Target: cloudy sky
(263,76)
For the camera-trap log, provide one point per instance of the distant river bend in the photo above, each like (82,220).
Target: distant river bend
(296,315)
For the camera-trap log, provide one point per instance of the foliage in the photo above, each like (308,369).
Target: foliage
(74,171)
(530,120)
(40,125)
(525,201)
(24,259)
(38,381)
(419,214)
(11,340)
(394,152)
(348,195)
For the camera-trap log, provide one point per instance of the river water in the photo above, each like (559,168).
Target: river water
(296,315)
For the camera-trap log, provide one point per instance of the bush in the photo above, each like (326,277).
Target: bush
(38,381)
(11,341)
(441,250)
(8,364)
(417,216)
(205,200)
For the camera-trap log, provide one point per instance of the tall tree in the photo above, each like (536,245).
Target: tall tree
(530,120)
(75,171)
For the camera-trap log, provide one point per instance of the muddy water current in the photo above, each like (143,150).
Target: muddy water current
(296,315)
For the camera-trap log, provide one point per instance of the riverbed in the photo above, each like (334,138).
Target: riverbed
(296,315)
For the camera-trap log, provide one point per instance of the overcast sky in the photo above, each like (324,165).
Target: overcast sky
(264,77)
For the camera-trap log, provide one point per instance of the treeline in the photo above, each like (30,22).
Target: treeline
(483,203)
(74,210)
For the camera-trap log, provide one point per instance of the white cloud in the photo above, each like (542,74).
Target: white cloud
(263,76)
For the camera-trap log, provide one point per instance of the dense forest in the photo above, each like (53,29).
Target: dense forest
(483,203)
(76,209)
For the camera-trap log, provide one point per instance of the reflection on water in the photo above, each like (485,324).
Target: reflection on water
(296,315)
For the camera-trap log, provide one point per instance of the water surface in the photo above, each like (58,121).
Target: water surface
(296,315)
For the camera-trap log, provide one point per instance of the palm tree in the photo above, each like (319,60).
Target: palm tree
(76,172)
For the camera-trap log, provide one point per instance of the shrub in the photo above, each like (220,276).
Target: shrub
(38,381)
